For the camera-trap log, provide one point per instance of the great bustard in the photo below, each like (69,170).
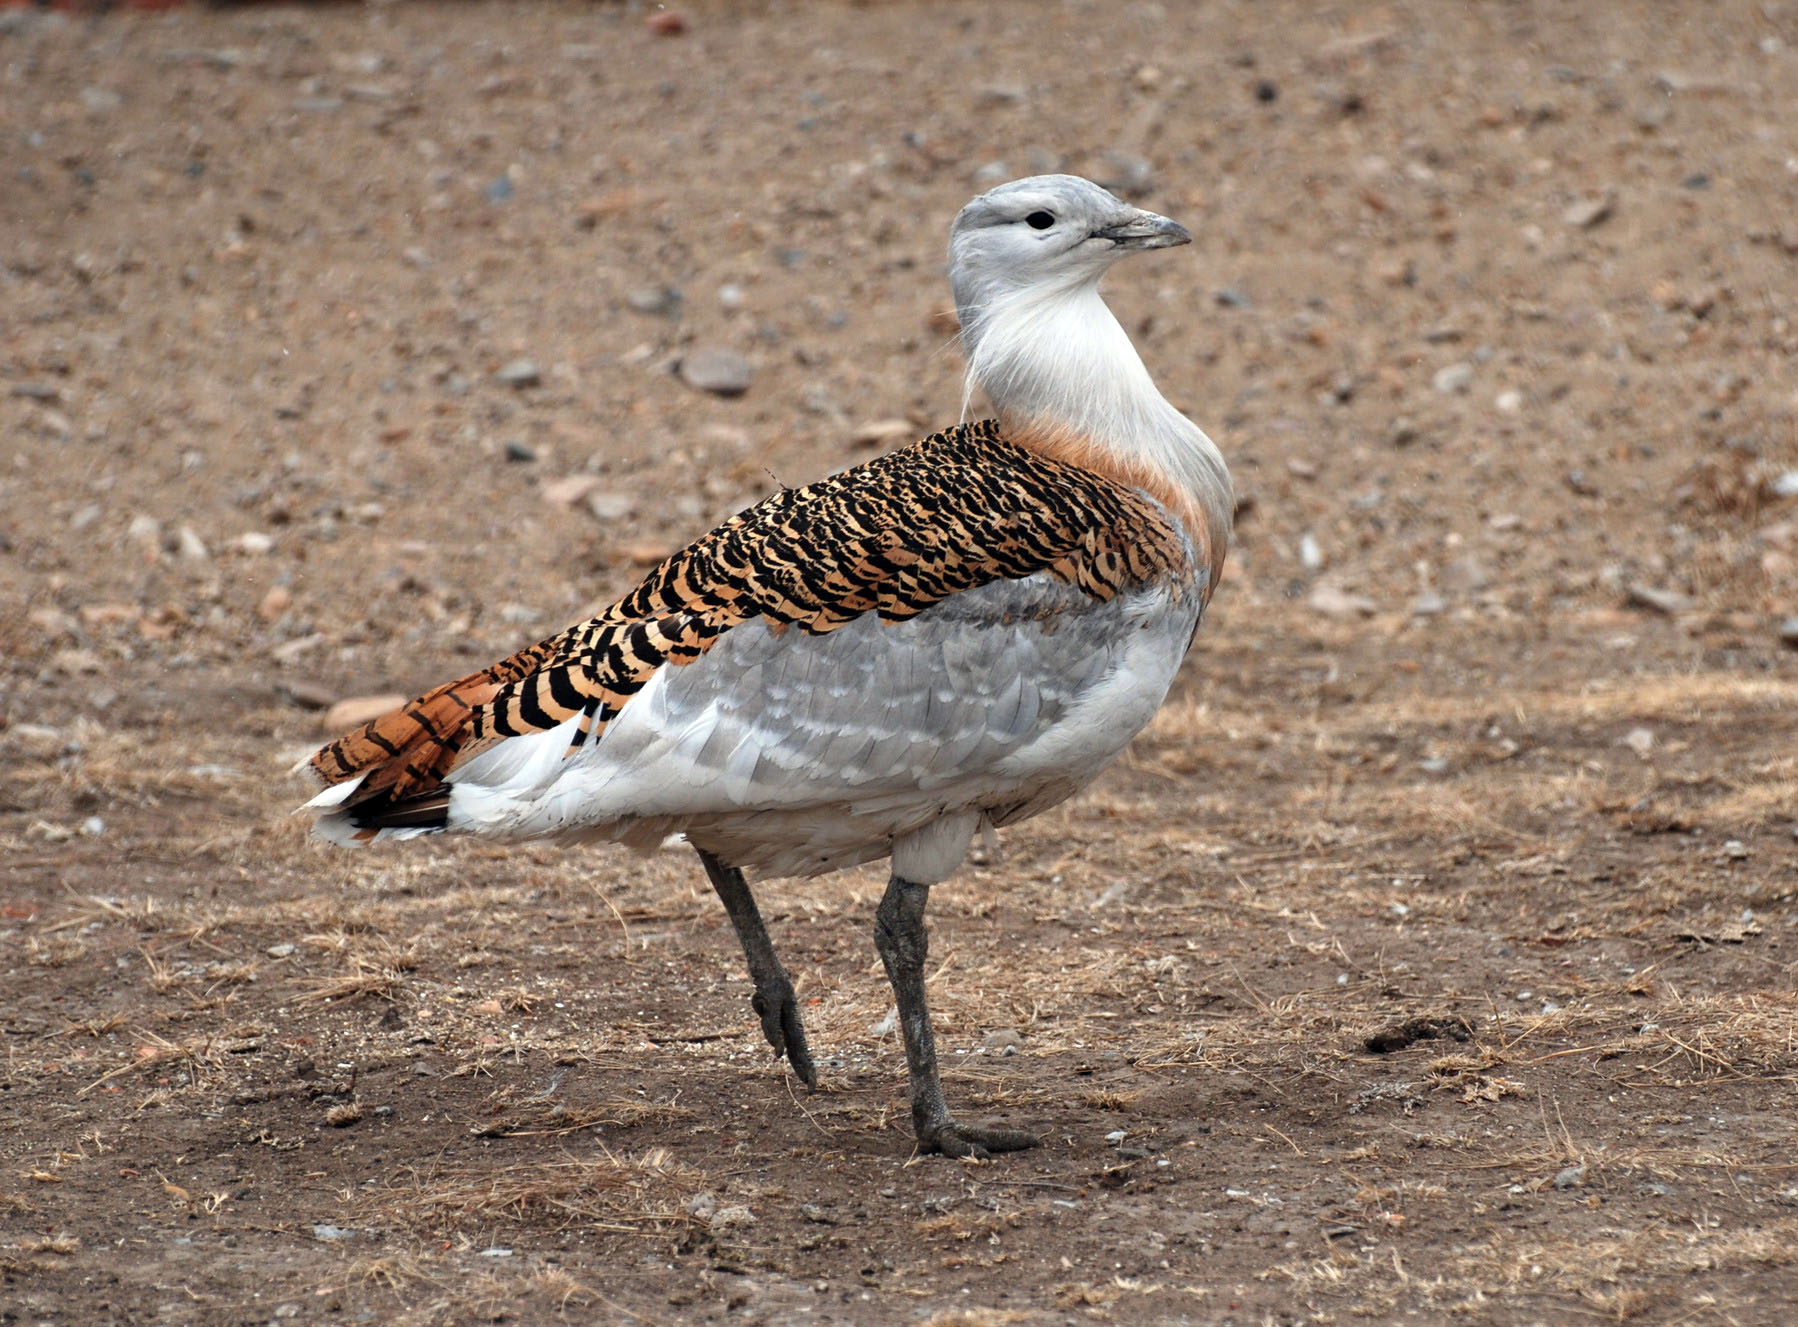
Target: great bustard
(959,634)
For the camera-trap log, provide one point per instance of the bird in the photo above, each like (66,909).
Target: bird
(938,642)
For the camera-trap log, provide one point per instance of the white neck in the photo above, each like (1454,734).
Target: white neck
(1055,358)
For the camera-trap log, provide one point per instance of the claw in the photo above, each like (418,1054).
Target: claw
(778,1008)
(978,1142)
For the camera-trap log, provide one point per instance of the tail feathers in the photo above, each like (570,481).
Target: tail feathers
(391,770)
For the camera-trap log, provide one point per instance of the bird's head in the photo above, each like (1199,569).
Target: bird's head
(1046,233)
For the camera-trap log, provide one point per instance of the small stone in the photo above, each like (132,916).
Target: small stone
(520,452)
(1734,849)
(568,491)
(881,432)
(489,1008)
(1126,173)
(644,553)
(701,1205)
(1570,1178)
(1311,554)
(1788,633)
(721,372)
(733,1216)
(1453,378)
(498,189)
(190,545)
(1669,602)
(146,531)
(666,23)
(93,827)
(520,373)
(37,391)
(1340,604)
(731,295)
(282,950)
(255,543)
(662,301)
(276,602)
(609,506)
(1230,298)
(1508,402)
(354,711)
(331,1234)
(495,1252)
(1639,740)
(75,661)
(1267,90)
(1589,212)
(101,100)
(1429,604)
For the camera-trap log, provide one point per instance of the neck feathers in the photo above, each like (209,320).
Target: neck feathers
(1066,382)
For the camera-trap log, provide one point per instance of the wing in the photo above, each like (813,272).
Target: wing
(877,544)
(1006,698)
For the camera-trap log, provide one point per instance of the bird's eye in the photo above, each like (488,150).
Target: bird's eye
(1039,220)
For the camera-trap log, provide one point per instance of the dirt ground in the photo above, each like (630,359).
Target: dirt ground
(1430,958)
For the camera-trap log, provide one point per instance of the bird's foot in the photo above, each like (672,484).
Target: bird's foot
(778,1008)
(954,1139)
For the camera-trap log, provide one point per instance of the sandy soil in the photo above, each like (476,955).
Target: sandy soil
(1430,958)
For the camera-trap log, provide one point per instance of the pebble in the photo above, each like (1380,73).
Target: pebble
(666,23)
(1788,632)
(1429,604)
(701,1205)
(1311,554)
(721,372)
(1340,604)
(609,506)
(1639,740)
(93,827)
(190,545)
(520,373)
(1570,1178)
(568,491)
(255,543)
(520,452)
(276,602)
(881,432)
(282,950)
(1509,402)
(101,100)
(1670,602)
(1126,173)
(495,1252)
(1589,212)
(662,301)
(147,531)
(354,711)
(1453,378)
(331,1233)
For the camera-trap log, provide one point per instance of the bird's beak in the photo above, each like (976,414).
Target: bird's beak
(1145,230)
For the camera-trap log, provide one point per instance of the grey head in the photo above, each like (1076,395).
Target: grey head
(1048,232)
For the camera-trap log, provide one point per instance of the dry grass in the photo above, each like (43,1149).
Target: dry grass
(605,1194)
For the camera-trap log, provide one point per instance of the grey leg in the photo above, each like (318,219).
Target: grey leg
(773,1001)
(900,938)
